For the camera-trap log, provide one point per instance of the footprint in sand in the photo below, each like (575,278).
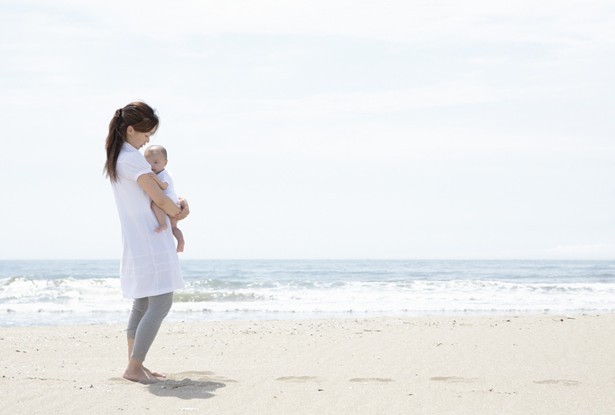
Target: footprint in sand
(194,373)
(298,379)
(453,379)
(118,380)
(371,380)
(565,382)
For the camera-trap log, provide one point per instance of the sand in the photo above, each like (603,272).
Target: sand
(446,365)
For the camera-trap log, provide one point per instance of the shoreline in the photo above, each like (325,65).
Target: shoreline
(248,316)
(530,364)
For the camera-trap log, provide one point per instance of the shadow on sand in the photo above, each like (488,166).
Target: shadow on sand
(186,388)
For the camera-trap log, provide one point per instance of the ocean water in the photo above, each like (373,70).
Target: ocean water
(77,292)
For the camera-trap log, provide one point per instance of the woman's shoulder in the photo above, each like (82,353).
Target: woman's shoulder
(131,163)
(129,153)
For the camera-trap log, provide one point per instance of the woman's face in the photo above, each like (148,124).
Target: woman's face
(138,139)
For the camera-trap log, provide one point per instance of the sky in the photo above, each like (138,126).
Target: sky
(335,129)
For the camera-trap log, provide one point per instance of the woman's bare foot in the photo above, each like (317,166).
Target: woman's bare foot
(140,376)
(135,372)
(154,374)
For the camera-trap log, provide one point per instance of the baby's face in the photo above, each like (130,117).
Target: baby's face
(156,160)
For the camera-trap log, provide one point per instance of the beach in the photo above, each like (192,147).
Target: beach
(523,364)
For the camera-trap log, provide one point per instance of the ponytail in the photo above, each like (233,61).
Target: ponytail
(115,140)
(141,117)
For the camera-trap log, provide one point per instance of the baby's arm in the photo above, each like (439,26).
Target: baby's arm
(160,183)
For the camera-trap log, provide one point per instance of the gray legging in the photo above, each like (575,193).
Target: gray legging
(145,320)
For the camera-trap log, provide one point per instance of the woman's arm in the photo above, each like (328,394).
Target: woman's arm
(149,185)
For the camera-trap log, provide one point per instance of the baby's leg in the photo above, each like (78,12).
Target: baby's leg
(161,217)
(177,233)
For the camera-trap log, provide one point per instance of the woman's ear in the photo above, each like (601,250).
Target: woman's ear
(130,131)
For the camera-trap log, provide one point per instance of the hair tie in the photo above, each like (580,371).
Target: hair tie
(119,121)
(118,115)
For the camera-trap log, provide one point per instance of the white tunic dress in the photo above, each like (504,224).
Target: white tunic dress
(150,265)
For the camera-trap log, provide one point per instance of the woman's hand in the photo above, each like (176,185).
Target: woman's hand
(185,209)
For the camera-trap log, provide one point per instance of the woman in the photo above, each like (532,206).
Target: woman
(149,270)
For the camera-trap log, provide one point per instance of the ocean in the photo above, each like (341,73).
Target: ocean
(64,292)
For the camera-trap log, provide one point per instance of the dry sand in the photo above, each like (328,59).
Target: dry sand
(454,365)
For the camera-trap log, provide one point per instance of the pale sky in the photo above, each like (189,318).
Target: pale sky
(318,129)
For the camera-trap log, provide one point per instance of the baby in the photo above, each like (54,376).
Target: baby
(156,156)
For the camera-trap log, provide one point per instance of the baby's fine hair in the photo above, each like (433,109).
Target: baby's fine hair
(156,147)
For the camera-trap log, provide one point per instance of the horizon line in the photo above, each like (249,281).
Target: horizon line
(325,259)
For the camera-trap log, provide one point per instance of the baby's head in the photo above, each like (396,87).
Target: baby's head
(156,156)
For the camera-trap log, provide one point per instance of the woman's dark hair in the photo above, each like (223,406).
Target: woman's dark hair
(141,117)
